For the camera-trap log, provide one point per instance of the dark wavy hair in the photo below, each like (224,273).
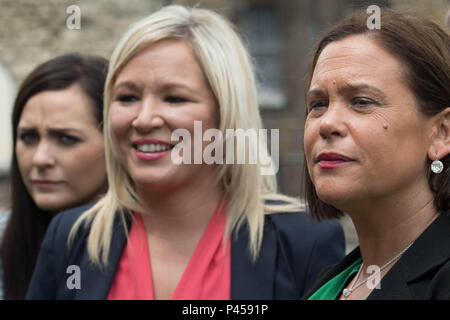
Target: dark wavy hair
(424,50)
(28,223)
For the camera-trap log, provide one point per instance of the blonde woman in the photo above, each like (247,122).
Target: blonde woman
(182,231)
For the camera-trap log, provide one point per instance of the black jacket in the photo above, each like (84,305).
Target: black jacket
(294,250)
(422,273)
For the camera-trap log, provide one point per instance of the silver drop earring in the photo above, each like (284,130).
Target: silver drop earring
(437,166)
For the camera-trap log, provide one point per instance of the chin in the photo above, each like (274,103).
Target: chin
(335,198)
(54,205)
(158,185)
(50,206)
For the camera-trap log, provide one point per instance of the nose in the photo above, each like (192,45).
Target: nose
(44,157)
(333,122)
(149,116)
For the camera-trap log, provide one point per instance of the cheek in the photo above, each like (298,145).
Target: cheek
(120,122)
(371,141)
(382,148)
(211,116)
(182,117)
(196,123)
(310,136)
(24,157)
(78,172)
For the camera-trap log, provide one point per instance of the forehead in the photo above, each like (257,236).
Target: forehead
(165,59)
(69,107)
(358,58)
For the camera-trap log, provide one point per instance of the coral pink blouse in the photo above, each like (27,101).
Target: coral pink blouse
(206,277)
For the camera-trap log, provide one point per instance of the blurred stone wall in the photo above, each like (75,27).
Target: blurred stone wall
(34,31)
(435,10)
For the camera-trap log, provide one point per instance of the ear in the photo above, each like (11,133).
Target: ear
(440,141)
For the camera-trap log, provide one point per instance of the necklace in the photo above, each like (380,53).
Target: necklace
(348,291)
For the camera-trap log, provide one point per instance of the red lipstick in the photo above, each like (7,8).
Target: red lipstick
(330,160)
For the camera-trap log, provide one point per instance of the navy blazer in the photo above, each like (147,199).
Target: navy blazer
(294,249)
(421,273)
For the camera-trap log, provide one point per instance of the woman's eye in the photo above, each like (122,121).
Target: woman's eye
(318,104)
(67,140)
(175,99)
(29,138)
(126,98)
(362,102)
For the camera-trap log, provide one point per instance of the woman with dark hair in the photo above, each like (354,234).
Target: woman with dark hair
(57,159)
(377,144)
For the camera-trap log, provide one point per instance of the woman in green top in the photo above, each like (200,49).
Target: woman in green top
(377,144)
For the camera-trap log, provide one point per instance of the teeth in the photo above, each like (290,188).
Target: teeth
(152,147)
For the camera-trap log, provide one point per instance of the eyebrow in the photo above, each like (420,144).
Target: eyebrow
(165,87)
(52,131)
(174,85)
(348,88)
(128,85)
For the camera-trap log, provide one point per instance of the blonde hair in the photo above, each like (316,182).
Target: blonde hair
(228,70)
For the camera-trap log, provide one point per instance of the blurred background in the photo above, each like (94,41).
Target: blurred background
(280,35)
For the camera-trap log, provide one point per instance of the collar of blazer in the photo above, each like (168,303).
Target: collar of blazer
(430,250)
(248,280)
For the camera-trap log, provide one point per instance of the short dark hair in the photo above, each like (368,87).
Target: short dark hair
(28,223)
(423,48)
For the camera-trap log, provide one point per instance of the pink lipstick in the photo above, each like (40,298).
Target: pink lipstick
(329,160)
(45,183)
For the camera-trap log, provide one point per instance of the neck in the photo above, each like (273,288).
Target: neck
(180,213)
(386,227)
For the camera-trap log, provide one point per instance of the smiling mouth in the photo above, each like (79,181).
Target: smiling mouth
(153,147)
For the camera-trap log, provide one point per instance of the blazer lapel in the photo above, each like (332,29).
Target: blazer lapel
(96,282)
(332,271)
(431,249)
(393,286)
(253,280)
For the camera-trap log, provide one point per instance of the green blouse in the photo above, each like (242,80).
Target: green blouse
(332,289)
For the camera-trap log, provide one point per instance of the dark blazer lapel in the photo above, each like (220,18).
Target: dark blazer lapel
(250,280)
(393,286)
(431,249)
(96,282)
(330,272)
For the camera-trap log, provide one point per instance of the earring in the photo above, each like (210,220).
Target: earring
(437,166)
